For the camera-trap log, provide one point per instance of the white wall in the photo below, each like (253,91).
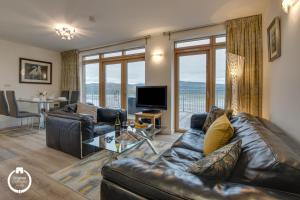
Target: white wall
(10,52)
(159,73)
(281,96)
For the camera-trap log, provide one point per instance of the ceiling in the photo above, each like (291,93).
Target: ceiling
(32,21)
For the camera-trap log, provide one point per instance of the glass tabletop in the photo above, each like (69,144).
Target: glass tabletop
(122,143)
(150,131)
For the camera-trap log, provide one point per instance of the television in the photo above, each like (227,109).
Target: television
(153,97)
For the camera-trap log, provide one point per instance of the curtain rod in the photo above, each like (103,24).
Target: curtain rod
(193,28)
(115,44)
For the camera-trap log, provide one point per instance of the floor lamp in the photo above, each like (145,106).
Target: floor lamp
(235,64)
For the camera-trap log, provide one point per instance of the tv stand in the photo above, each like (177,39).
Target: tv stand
(150,118)
(151,111)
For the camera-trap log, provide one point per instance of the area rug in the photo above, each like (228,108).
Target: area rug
(85,176)
(18,132)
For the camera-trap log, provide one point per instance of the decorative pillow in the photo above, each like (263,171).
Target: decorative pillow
(219,164)
(218,135)
(214,114)
(85,109)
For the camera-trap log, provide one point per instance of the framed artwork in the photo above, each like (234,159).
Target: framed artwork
(35,71)
(274,39)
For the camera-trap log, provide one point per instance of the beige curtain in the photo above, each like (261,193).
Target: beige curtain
(244,38)
(70,70)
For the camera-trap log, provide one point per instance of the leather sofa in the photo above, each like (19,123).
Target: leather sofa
(268,168)
(66,130)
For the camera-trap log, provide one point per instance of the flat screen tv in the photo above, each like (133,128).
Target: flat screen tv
(153,97)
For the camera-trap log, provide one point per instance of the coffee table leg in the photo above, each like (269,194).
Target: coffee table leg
(149,143)
(152,146)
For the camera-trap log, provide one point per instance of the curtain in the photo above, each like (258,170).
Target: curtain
(70,71)
(244,38)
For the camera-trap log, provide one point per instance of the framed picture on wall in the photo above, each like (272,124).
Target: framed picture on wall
(35,71)
(274,39)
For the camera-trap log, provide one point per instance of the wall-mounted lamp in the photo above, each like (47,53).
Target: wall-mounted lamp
(287,4)
(157,56)
(235,64)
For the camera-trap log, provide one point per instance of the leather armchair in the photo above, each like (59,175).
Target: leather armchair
(66,130)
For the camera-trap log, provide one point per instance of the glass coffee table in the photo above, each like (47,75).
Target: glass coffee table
(126,141)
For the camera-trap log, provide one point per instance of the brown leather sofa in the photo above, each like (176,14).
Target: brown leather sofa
(268,168)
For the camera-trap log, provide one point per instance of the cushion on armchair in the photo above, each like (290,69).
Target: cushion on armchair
(85,109)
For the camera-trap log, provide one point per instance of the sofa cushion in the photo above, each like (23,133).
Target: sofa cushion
(219,164)
(102,128)
(217,135)
(266,159)
(85,109)
(178,158)
(192,140)
(109,115)
(214,114)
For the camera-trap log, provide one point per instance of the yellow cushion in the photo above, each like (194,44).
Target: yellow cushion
(218,135)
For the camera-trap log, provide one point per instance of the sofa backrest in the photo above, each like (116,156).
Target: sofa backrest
(109,115)
(269,157)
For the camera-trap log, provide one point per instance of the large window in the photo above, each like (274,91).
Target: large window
(200,77)
(112,81)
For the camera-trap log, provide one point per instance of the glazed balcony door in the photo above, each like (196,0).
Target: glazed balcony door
(191,88)
(113,85)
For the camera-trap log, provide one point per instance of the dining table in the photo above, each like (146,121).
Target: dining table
(43,106)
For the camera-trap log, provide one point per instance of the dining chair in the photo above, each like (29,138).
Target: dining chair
(3,104)
(16,113)
(64,93)
(74,97)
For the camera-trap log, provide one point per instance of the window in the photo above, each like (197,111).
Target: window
(190,43)
(135,77)
(135,51)
(112,54)
(192,87)
(92,57)
(113,85)
(91,81)
(221,39)
(199,82)
(220,77)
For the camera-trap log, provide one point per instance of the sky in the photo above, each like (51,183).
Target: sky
(192,68)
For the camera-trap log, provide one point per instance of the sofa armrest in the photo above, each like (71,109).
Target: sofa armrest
(86,122)
(197,120)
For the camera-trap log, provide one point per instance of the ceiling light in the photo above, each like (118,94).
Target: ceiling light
(286,4)
(65,31)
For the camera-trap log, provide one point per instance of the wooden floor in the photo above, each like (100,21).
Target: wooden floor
(31,153)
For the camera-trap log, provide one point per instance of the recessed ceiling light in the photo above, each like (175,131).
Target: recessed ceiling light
(65,31)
